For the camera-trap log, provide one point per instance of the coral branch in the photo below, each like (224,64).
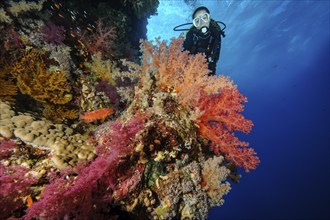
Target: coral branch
(220,118)
(35,79)
(100,41)
(52,33)
(176,69)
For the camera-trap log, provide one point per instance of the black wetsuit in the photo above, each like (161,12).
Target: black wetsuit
(209,44)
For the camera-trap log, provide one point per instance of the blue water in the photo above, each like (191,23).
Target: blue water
(277,52)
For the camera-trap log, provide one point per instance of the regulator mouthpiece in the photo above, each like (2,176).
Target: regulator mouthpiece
(204,30)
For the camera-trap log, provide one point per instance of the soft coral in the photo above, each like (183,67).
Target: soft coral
(100,41)
(219,119)
(15,184)
(87,195)
(52,33)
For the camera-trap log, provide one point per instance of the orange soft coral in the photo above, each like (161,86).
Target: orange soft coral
(102,114)
(215,98)
(176,69)
(219,119)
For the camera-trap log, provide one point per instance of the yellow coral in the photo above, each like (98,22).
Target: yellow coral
(34,79)
(59,114)
(45,86)
(49,86)
(8,87)
(22,6)
(214,176)
(7,90)
(101,68)
(4,17)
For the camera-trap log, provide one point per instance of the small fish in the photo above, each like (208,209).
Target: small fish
(71,12)
(57,5)
(89,29)
(81,43)
(97,114)
(29,201)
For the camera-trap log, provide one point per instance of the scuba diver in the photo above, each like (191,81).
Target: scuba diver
(204,37)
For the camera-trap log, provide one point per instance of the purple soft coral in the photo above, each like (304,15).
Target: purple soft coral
(12,39)
(52,33)
(110,91)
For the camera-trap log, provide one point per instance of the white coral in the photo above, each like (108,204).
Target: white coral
(214,176)
(22,6)
(4,17)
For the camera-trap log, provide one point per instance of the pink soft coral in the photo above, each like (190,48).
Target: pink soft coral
(120,135)
(15,184)
(110,176)
(6,148)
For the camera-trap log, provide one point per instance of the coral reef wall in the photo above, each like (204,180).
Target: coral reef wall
(97,123)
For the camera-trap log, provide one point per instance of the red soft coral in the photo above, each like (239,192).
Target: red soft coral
(219,119)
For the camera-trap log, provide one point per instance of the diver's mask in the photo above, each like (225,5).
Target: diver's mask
(202,22)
